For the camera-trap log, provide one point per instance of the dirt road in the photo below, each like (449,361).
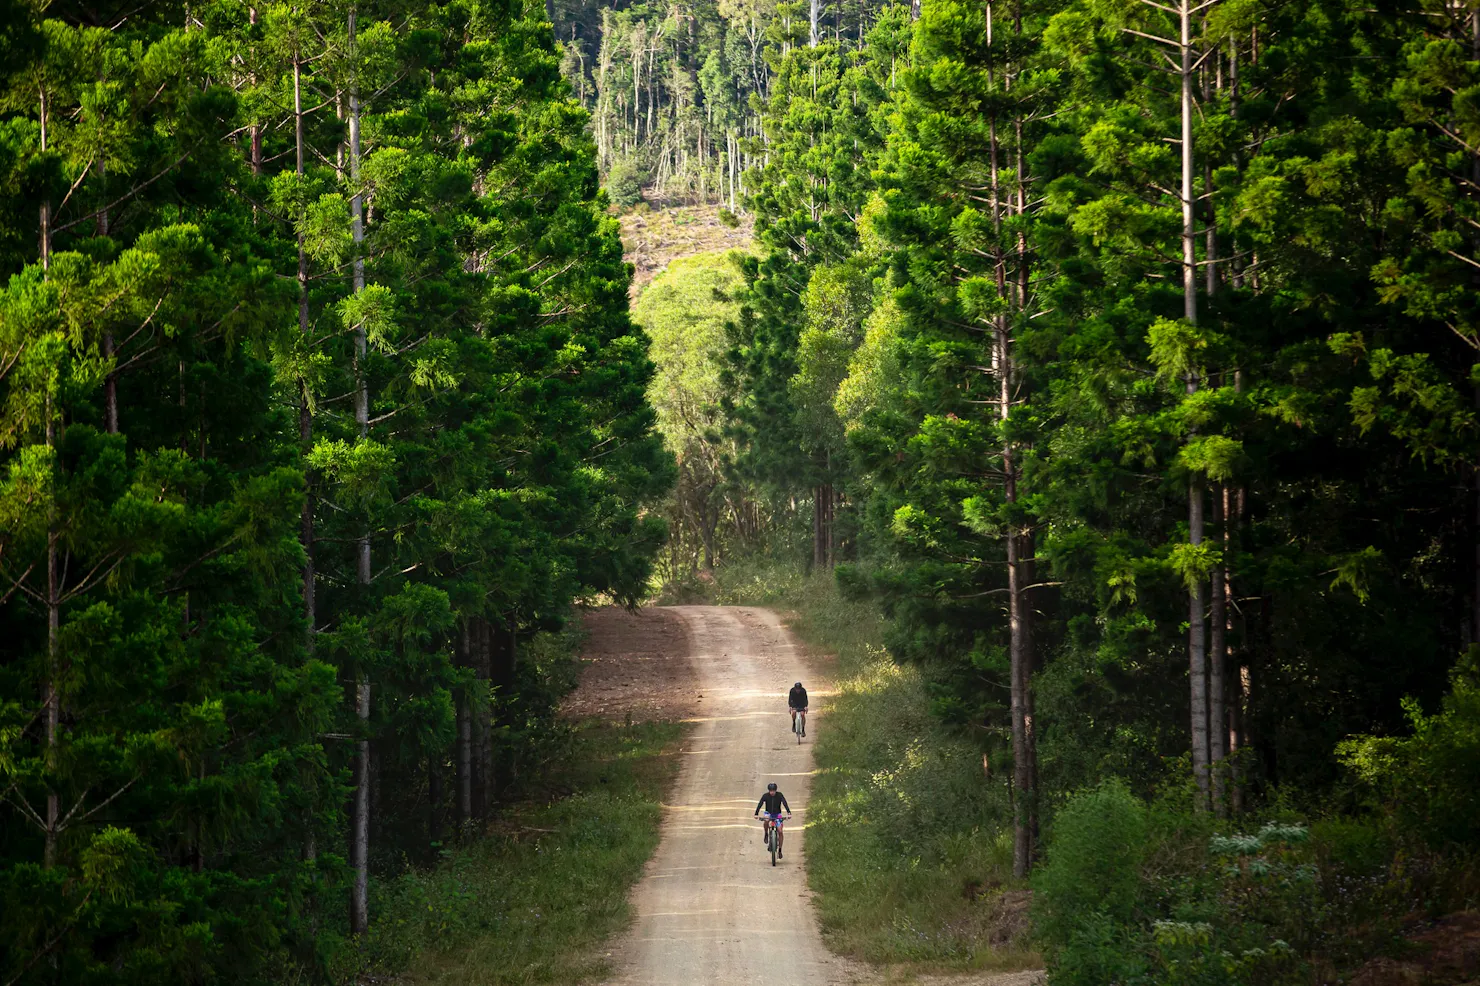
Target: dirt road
(711,908)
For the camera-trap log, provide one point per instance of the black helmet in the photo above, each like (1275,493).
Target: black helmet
(771,786)
(797,685)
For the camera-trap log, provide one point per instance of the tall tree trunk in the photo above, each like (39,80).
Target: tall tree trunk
(464,755)
(708,521)
(1196,629)
(483,787)
(1217,666)
(1218,601)
(256,131)
(305,413)
(51,689)
(814,12)
(1475,597)
(1020,647)
(464,763)
(1020,656)
(503,660)
(1237,669)
(1020,650)
(434,798)
(360,906)
(1021,644)
(45,210)
(110,382)
(832,527)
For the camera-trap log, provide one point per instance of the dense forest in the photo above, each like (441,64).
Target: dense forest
(1122,354)
(321,403)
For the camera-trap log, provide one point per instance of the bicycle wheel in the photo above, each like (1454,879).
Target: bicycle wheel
(796,727)
(771,844)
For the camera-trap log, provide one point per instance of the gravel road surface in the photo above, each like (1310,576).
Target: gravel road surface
(711,908)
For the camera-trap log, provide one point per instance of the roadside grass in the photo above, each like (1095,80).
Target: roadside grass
(909,847)
(535,900)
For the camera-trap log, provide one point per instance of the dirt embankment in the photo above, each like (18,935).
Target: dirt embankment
(636,668)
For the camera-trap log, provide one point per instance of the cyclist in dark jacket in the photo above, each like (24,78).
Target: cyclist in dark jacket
(797,702)
(773,801)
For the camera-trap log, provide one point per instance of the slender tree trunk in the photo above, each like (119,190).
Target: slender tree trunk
(1238,706)
(434,799)
(1019,625)
(45,210)
(305,413)
(464,764)
(1239,736)
(1475,597)
(360,905)
(359,909)
(1217,667)
(484,791)
(814,12)
(832,527)
(1022,638)
(1218,601)
(51,689)
(1020,658)
(110,382)
(1196,629)
(503,660)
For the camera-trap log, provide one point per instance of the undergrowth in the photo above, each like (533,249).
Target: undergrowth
(908,847)
(533,901)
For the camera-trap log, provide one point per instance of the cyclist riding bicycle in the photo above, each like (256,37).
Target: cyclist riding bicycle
(773,801)
(797,702)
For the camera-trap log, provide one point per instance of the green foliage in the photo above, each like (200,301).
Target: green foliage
(1137,893)
(216,386)
(625,182)
(534,901)
(1429,778)
(685,313)
(1091,874)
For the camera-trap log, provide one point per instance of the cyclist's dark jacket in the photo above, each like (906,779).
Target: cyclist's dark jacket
(773,801)
(798,698)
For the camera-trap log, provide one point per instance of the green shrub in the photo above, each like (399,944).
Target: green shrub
(729,218)
(1352,845)
(1430,781)
(1099,951)
(1092,869)
(1137,893)
(534,899)
(625,181)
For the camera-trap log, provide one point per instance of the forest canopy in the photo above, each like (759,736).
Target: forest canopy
(1122,355)
(321,402)
(1125,356)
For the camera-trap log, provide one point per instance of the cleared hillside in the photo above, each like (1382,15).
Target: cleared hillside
(655,238)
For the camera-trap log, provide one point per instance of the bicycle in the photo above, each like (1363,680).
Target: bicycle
(799,724)
(773,832)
